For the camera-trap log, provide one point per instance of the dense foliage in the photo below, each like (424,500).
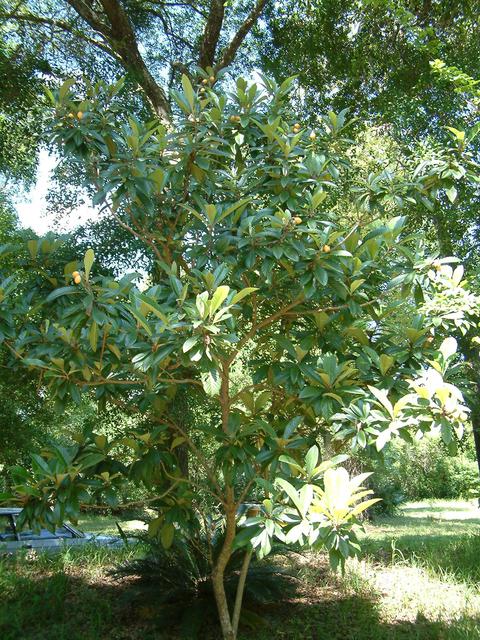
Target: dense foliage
(263,300)
(424,470)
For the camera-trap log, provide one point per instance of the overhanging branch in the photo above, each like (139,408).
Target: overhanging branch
(211,34)
(115,26)
(230,51)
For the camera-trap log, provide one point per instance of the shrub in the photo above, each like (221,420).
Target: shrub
(176,583)
(424,470)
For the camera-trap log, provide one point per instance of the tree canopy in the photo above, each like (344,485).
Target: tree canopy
(282,313)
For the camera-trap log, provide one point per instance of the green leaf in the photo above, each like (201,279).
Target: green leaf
(386,362)
(211,211)
(141,319)
(244,536)
(233,208)
(211,382)
(292,426)
(291,462)
(91,460)
(318,197)
(62,291)
(35,362)
(88,262)
(65,88)
(167,533)
(154,526)
(290,491)
(32,247)
(152,306)
(188,91)
(311,459)
(459,135)
(321,319)
(93,335)
(115,350)
(305,497)
(190,343)
(364,505)
(355,284)
(243,294)
(218,298)
(159,178)
(382,439)
(382,397)
(451,193)
(448,347)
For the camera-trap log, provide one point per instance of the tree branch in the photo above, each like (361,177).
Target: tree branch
(263,323)
(58,24)
(129,505)
(240,589)
(90,17)
(230,51)
(120,34)
(200,457)
(211,34)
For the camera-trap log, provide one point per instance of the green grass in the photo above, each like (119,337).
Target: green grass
(441,537)
(108,524)
(419,580)
(64,596)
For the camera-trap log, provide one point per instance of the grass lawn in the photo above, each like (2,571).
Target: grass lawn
(419,579)
(108,524)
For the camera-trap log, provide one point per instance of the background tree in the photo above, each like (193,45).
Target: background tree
(151,41)
(374,57)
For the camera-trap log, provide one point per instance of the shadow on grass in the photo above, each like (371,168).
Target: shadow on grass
(416,522)
(448,550)
(356,618)
(66,607)
(461,508)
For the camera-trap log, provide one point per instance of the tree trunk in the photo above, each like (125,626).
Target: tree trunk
(475,417)
(444,241)
(218,572)
(240,589)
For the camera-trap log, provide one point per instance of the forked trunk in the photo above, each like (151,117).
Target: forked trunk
(222,605)
(218,572)
(229,623)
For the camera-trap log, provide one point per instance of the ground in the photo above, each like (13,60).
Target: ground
(419,579)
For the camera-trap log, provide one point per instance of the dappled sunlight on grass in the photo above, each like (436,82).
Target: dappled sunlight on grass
(419,579)
(444,510)
(443,546)
(107,525)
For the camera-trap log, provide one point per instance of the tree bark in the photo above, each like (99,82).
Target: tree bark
(230,51)
(115,26)
(240,590)
(211,33)
(111,21)
(475,417)
(218,573)
(473,403)
(443,238)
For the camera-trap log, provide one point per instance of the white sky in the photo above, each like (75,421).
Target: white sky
(32,207)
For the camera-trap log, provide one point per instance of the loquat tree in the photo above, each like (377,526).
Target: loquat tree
(307,335)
